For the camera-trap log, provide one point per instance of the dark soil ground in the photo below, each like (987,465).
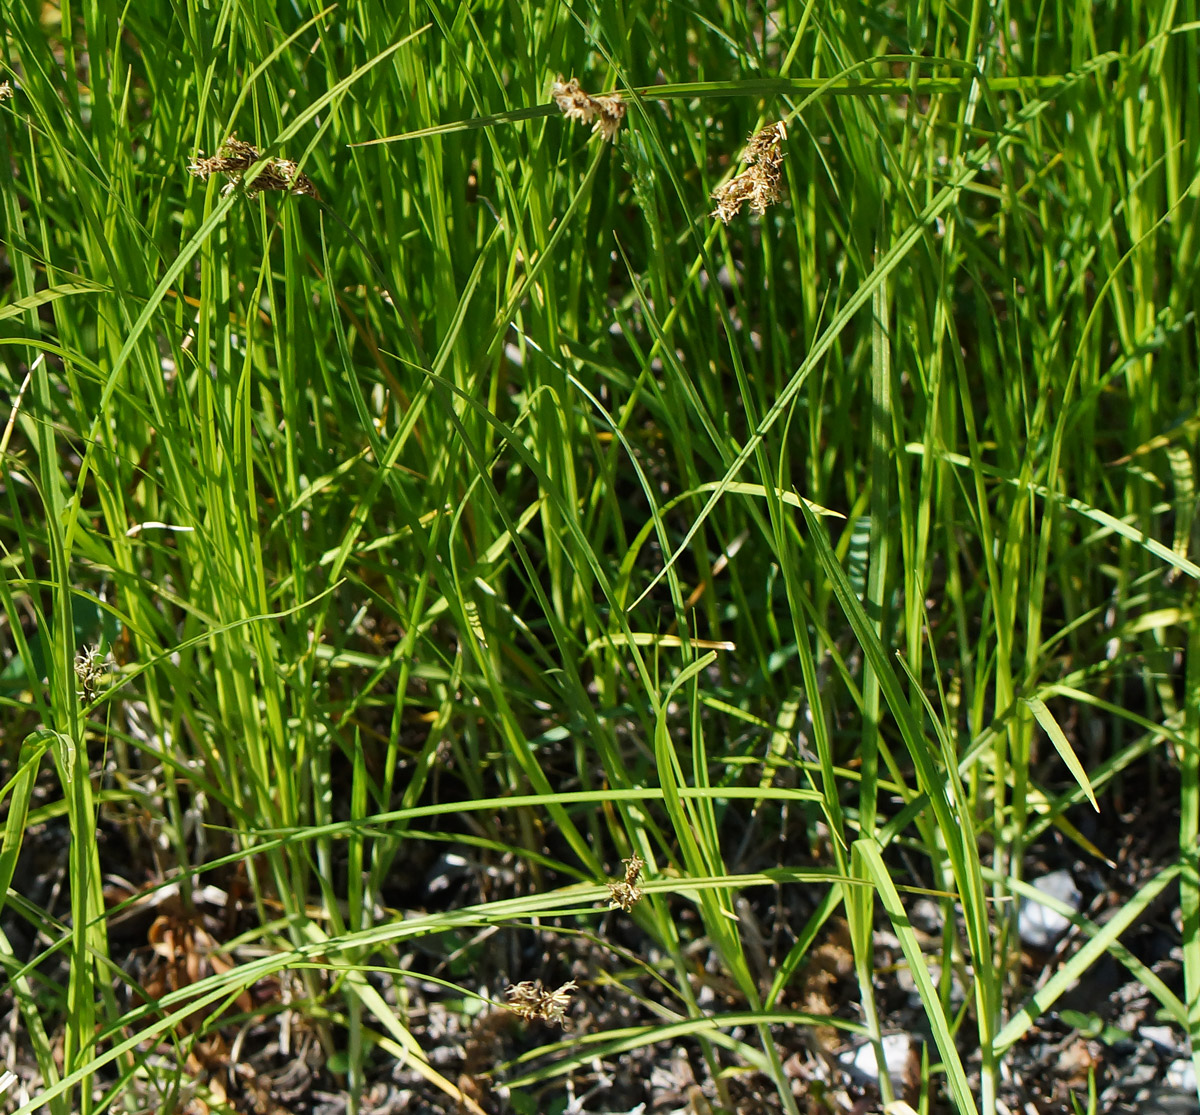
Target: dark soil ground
(266,1055)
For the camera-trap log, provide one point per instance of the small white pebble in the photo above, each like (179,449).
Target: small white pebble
(863,1064)
(1181,1074)
(1162,1036)
(1040,926)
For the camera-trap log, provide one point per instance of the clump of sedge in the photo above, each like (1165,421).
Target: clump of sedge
(236,157)
(603,113)
(761,182)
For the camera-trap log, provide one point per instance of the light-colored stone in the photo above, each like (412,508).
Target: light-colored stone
(1039,926)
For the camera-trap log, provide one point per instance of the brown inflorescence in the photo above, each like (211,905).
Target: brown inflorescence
(603,113)
(236,157)
(760,184)
(627,894)
(532,1000)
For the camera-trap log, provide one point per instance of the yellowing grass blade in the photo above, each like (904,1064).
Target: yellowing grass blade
(1046,719)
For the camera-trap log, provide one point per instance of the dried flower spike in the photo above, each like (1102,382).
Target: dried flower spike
(760,184)
(572,101)
(765,147)
(626,895)
(236,157)
(611,113)
(603,113)
(5,90)
(531,1000)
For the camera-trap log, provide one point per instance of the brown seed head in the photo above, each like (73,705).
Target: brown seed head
(625,895)
(530,1000)
(761,183)
(236,157)
(603,113)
